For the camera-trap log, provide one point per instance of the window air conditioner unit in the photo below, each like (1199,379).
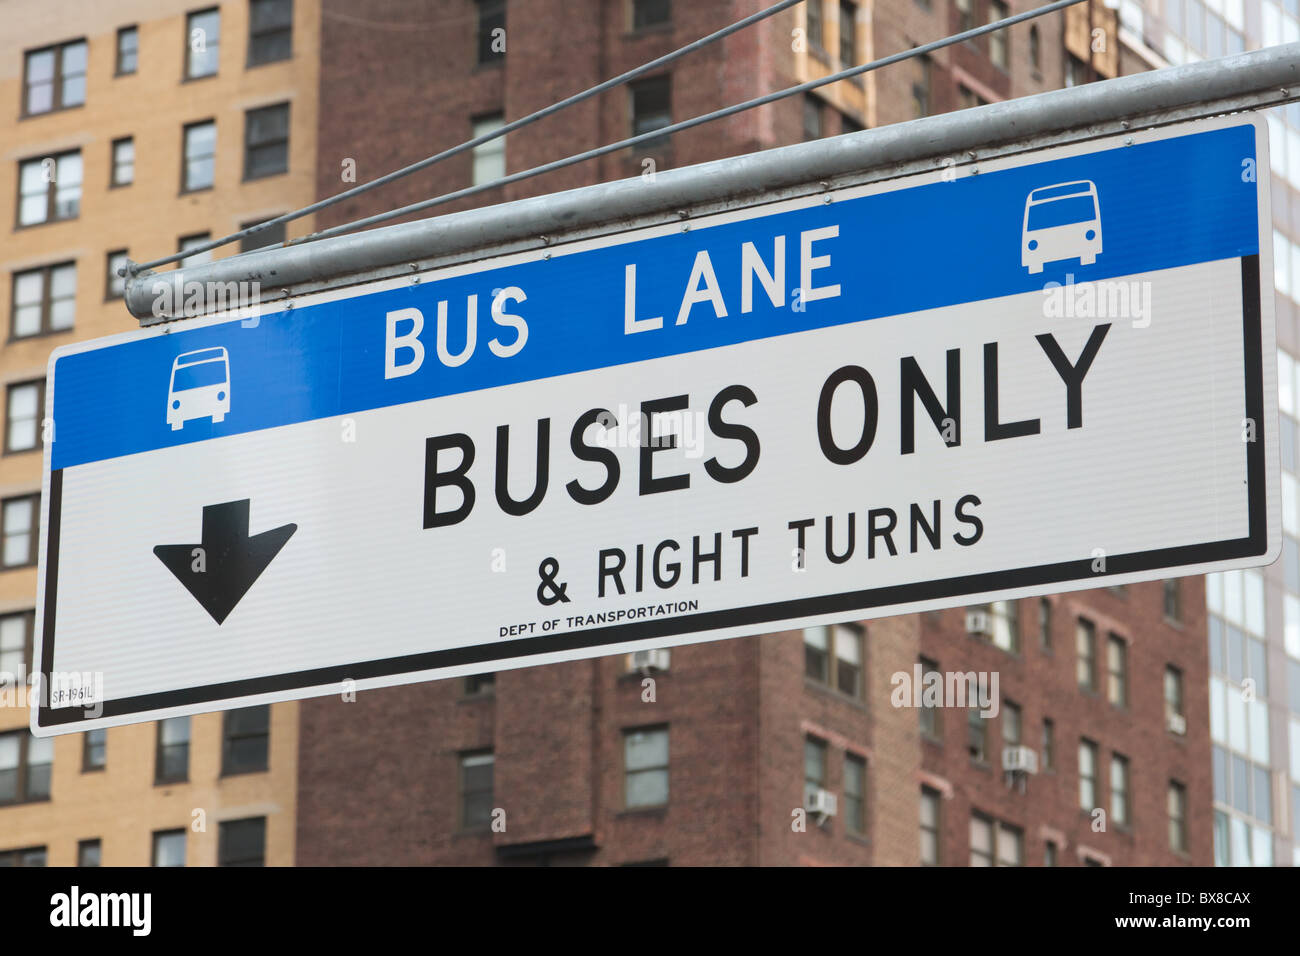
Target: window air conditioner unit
(819,801)
(651,660)
(979,623)
(1020,759)
(1176,723)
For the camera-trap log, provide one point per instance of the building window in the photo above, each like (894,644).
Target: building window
(88,853)
(855,794)
(1117,671)
(18,518)
(848,33)
(270,236)
(1003,624)
(266,141)
(929,714)
(489,159)
(123,162)
(1049,854)
(15,646)
(476,781)
(981,840)
(491,30)
(1011,845)
(814,19)
(54,78)
(965,15)
(833,656)
(849,124)
(650,13)
(1177,817)
(848,659)
(998,38)
(45,300)
(114,281)
(1119,791)
(968,98)
(202,43)
(31,856)
(172,763)
(198,171)
(1045,624)
(812,117)
(25,763)
(1174,698)
(814,764)
(1076,71)
(1049,744)
(193,242)
(94,750)
(1087,775)
(169,848)
(1035,49)
(977,735)
(270,31)
(1085,645)
(816,654)
(929,826)
(921,87)
(128,50)
(1173,599)
(23,405)
(645,767)
(651,107)
(242,842)
(1011,728)
(49,188)
(480,685)
(246,740)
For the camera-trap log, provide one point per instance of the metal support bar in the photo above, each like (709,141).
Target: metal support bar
(1254,80)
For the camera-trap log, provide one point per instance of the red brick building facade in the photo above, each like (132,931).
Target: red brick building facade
(710,760)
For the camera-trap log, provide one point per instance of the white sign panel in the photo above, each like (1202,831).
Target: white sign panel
(1056,373)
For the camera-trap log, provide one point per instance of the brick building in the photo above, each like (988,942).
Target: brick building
(724,752)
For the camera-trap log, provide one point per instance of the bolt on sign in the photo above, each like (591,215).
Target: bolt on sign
(1054,372)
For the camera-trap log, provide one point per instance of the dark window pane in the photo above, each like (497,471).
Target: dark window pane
(266,141)
(270,31)
(648,13)
(491,27)
(272,236)
(242,843)
(651,107)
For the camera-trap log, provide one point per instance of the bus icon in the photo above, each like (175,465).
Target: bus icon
(1061,222)
(200,387)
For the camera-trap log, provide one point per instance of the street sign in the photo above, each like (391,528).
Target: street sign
(1053,371)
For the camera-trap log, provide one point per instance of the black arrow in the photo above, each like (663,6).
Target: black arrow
(230,561)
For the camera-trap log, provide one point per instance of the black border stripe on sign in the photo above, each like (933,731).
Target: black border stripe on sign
(612,637)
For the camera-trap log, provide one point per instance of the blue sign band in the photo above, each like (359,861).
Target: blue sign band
(1158,205)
